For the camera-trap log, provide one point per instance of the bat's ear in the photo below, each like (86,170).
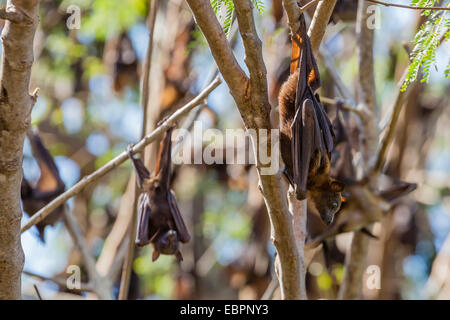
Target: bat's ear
(337,186)
(155,255)
(179,256)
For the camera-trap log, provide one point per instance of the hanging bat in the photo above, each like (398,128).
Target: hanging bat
(159,219)
(362,206)
(48,187)
(306,138)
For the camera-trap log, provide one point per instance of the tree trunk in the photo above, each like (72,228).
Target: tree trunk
(15,109)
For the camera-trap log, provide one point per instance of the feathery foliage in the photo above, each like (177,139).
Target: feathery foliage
(228,6)
(427,41)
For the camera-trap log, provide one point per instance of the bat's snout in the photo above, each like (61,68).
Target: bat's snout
(328,218)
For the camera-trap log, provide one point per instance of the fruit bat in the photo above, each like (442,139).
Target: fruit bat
(48,187)
(159,219)
(361,206)
(306,138)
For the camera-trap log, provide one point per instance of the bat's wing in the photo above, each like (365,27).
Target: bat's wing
(183,234)
(399,190)
(143,236)
(341,159)
(324,123)
(309,82)
(48,187)
(141,171)
(338,126)
(50,183)
(164,163)
(305,136)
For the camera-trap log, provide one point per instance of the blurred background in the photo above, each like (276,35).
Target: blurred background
(89,110)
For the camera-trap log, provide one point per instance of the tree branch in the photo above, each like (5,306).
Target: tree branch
(114,163)
(15,108)
(298,210)
(227,64)
(319,23)
(407,7)
(253,52)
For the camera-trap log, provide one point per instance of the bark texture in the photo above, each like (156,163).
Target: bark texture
(15,109)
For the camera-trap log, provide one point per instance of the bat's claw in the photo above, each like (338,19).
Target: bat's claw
(160,122)
(129,150)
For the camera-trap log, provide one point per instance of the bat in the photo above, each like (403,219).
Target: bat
(306,133)
(361,206)
(159,219)
(48,187)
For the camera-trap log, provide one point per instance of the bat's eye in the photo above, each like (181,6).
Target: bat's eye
(335,205)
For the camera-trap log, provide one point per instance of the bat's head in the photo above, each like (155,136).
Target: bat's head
(327,199)
(167,243)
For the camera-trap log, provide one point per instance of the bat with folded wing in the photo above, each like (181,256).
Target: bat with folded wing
(159,219)
(48,187)
(306,137)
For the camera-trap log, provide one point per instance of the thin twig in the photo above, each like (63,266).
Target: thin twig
(121,158)
(407,7)
(309,4)
(37,291)
(339,83)
(345,106)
